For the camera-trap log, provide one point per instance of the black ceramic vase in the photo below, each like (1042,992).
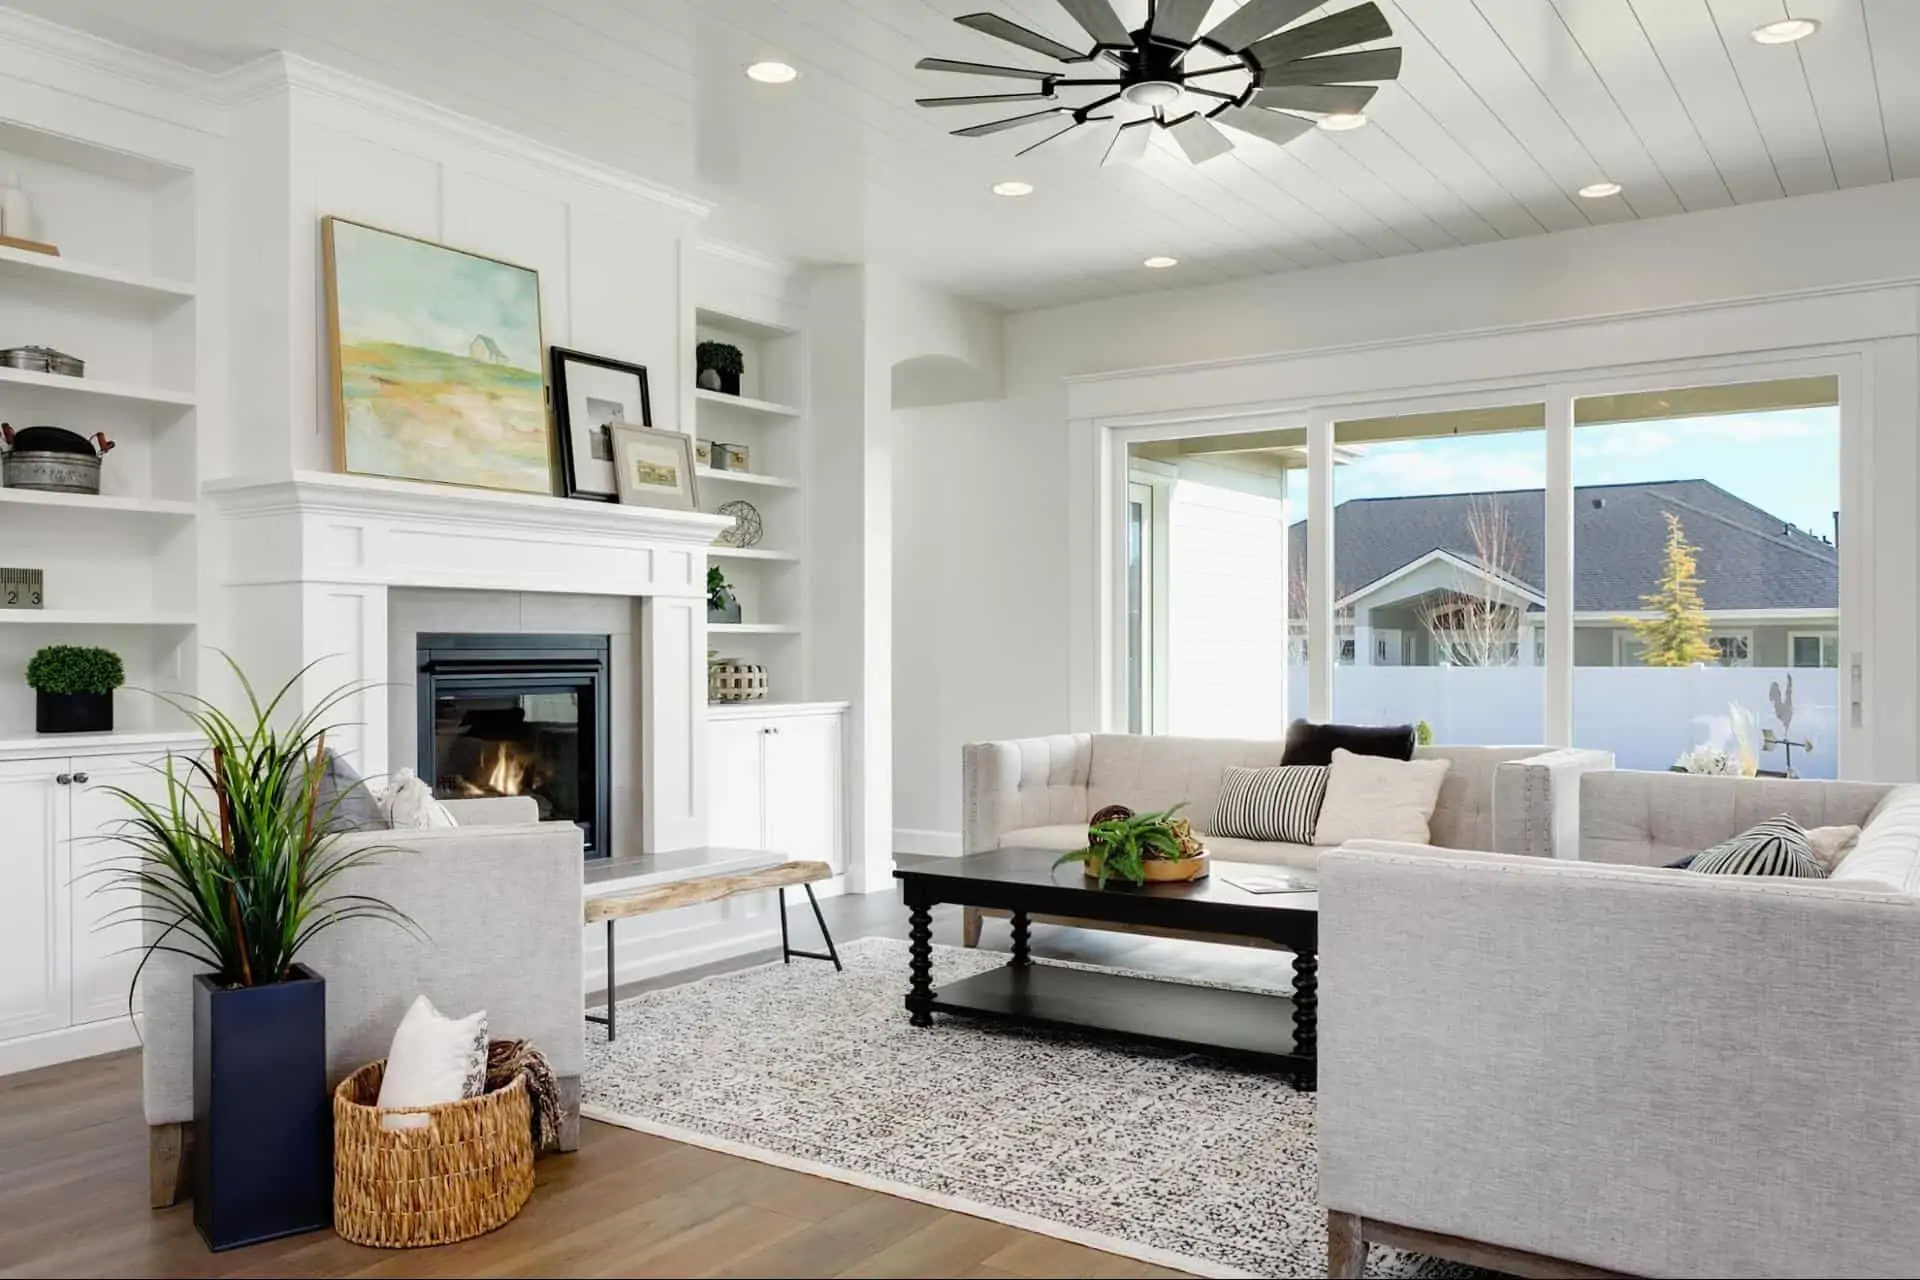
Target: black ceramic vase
(263,1124)
(72,712)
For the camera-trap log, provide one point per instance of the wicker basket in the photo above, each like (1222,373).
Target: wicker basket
(468,1170)
(731,680)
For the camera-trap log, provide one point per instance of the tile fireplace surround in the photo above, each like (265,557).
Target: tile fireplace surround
(310,559)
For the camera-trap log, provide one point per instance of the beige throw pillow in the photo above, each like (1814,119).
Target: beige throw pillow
(1830,844)
(1375,798)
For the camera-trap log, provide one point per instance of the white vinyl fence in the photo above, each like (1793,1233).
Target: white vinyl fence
(1646,716)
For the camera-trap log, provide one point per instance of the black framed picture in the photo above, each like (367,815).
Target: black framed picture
(590,394)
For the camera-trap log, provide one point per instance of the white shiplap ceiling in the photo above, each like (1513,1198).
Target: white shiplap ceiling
(1504,109)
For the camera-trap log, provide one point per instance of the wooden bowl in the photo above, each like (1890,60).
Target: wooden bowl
(1160,870)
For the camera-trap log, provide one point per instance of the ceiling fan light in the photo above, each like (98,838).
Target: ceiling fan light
(1786,30)
(772,73)
(1342,121)
(1152,93)
(1599,190)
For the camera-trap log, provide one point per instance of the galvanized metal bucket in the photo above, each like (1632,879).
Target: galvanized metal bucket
(52,472)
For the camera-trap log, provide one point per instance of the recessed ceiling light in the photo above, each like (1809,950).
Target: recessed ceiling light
(1342,121)
(1785,31)
(1013,188)
(1599,190)
(771,73)
(1161,262)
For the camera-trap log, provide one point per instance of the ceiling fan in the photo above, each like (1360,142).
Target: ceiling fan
(1250,71)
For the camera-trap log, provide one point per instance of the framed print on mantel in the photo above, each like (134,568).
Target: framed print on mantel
(590,394)
(437,365)
(654,468)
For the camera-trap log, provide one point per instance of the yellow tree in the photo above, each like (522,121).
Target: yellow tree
(1676,636)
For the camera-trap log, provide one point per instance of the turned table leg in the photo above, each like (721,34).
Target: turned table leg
(1306,1003)
(1021,957)
(920,946)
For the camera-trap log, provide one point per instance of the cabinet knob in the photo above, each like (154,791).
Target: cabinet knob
(64,779)
(80,778)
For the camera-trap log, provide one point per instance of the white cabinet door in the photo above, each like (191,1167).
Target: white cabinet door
(735,796)
(104,958)
(33,897)
(804,816)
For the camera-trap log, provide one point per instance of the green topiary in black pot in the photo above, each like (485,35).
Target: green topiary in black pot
(720,366)
(73,688)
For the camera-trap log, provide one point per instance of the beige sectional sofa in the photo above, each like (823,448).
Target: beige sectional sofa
(1624,1067)
(1040,792)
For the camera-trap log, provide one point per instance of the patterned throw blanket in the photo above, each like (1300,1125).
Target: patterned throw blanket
(509,1058)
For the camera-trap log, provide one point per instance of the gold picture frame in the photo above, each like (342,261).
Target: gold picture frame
(654,468)
(439,362)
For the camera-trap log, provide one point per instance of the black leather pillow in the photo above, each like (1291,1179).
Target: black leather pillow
(1315,743)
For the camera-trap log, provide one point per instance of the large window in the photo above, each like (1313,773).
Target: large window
(1439,577)
(1707,574)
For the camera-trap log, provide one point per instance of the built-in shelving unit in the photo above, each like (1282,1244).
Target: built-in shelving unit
(768,419)
(120,569)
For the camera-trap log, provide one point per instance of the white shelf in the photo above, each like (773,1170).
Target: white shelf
(75,744)
(96,388)
(103,503)
(746,477)
(751,553)
(98,617)
(83,277)
(751,629)
(746,403)
(746,326)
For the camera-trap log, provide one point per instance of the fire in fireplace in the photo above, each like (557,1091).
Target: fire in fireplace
(520,715)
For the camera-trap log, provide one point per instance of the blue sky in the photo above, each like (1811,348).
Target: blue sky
(1786,462)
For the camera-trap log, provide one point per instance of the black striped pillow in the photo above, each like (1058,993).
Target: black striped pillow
(1776,847)
(1270,804)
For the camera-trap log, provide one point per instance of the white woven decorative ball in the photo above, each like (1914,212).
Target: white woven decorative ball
(731,680)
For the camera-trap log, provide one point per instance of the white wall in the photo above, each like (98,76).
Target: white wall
(1025,588)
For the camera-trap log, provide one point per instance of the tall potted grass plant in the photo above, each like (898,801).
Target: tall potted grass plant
(236,865)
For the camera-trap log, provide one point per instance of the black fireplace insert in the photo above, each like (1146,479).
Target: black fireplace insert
(520,715)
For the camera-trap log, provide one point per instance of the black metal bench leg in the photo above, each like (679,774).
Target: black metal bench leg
(610,991)
(786,949)
(822,922)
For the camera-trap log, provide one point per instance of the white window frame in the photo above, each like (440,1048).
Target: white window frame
(1742,637)
(1828,640)
(1154,482)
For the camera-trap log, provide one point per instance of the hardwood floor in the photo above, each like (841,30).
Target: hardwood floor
(73,1180)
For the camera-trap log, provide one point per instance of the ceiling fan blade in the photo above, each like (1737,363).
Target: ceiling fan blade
(1334,68)
(1176,21)
(1271,125)
(997,126)
(1099,20)
(982,99)
(1058,133)
(1329,99)
(1003,29)
(1255,20)
(1130,143)
(1199,139)
(1353,26)
(983,69)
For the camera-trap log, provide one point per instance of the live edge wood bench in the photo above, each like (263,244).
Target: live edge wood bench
(693,890)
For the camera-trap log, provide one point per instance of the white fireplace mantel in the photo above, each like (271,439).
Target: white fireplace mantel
(307,561)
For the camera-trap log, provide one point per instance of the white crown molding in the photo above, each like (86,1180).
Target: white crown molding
(274,71)
(751,258)
(42,40)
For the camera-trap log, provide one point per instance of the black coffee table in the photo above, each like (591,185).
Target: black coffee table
(1270,1030)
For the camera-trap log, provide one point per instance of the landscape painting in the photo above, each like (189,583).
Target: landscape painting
(437,358)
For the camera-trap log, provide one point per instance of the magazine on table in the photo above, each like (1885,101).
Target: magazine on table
(1274,882)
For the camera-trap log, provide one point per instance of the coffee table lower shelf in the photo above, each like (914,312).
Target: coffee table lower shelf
(1247,1025)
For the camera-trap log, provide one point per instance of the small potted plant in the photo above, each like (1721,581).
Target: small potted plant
(234,865)
(73,688)
(1138,847)
(722,604)
(721,365)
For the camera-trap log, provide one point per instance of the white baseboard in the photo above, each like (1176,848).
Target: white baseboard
(49,1048)
(945,844)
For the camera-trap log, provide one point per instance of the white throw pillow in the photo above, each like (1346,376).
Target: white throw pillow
(410,804)
(433,1059)
(1376,798)
(1830,844)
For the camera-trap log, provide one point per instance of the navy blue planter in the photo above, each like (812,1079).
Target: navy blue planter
(263,1123)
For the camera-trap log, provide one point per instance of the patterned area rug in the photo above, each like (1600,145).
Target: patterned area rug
(1172,1158)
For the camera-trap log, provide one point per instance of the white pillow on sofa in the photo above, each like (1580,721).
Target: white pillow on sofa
(1377,798)
(433,1059)
(410,805)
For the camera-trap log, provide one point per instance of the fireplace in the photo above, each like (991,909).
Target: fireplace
(520,715)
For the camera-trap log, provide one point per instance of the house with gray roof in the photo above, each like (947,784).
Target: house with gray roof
(1410,572)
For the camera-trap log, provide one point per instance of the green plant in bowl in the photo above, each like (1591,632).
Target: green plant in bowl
(1122,845)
